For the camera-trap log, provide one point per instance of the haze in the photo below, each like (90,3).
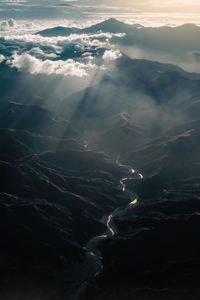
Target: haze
(147,13)
(177,6)
(99,150)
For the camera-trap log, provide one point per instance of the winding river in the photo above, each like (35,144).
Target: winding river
(93,254)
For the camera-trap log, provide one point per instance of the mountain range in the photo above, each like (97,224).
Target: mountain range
(110,25)
(100,187)
(177,45)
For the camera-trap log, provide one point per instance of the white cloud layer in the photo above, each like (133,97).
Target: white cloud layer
(33,65)
(2,58)
(110,55)
(7,24)
(145,12)
(74,55)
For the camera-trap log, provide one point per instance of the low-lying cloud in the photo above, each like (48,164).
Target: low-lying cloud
(110,55)
(2,58)
(73,55)
(29,63)
(6,25)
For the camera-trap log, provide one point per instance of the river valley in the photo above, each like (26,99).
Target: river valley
(93,254)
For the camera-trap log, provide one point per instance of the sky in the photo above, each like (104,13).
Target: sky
(79,55)
(163,11)
(175,6)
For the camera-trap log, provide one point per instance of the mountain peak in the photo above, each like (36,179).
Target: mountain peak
(113,21)
(111,25)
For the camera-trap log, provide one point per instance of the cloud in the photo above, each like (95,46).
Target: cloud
(6,25)
(2,58)
(80,42)
(33,65)
(110,55)
(74,55)
(13,1)
(39,52)
(150,5)
(84,10)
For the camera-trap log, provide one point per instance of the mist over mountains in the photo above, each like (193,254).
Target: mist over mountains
(72,51)
(99,163)
(177,45)
(111,25)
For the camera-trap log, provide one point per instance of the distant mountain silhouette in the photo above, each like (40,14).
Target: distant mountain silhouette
(178,45)
(111,25)
(183,37)
(186,36)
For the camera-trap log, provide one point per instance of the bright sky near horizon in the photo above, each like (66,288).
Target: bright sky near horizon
(21,19)
(146,5)
(145,12)
(178,6)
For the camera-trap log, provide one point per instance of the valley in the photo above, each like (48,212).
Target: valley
(100,177)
